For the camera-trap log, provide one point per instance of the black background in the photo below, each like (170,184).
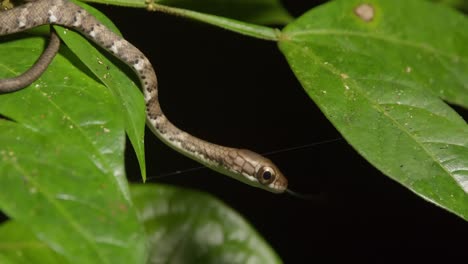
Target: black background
(239,91)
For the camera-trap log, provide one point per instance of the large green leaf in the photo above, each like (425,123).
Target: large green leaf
(119,82)
(61,160)
(254,11)
(185,226)
(380,79)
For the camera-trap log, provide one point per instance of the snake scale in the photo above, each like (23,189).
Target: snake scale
(241,164)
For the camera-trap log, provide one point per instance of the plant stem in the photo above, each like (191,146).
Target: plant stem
(244,28)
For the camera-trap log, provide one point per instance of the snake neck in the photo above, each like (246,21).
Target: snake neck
(209,154)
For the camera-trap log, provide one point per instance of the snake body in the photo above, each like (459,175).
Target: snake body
(241,164)
(16,83)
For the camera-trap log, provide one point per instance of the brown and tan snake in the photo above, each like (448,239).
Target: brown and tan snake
(241,164)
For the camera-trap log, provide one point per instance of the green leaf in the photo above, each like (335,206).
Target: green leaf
(19,246)
(458,4)
(61,160)
(185,226)
(111,75)
(381,82)
(253,11)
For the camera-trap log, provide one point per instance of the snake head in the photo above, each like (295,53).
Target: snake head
(257,171)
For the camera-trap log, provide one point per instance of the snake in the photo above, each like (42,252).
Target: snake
(25,79)
(241,164)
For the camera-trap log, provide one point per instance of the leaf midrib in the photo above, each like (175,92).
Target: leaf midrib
(290,36)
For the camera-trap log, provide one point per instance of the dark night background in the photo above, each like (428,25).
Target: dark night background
(239,91)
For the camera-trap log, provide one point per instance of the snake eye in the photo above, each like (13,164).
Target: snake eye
(266,175)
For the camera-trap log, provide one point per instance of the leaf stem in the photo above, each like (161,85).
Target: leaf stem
(252,30)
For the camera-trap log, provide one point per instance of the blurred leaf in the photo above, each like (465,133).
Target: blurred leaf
(19,246)
(185,226)
(61,160)
(253,11)
(380,79)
